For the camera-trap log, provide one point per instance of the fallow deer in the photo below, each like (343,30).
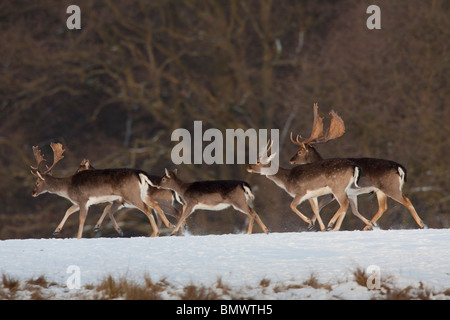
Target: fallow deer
(90,187)
(165,199)
(309,181)
(210,195)
(384,177)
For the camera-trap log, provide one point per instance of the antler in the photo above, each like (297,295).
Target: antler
(263,155)
(297,142)
(317,129)
(57,155)
(336,129)
(38,156)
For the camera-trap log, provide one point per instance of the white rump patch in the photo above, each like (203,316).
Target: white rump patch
(316,193)
(402,177)
(214,207)
(248,193)
(102,199)
(145,182)
(178,198)
(351,191)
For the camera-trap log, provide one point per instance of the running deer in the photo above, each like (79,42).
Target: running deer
(90,187)
(164,198)
(384,177)
(309,181)
(210,195)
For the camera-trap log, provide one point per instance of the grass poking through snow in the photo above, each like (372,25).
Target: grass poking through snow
(111,288)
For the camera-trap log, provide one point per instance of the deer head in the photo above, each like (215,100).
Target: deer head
(85,165)
(168,181)
(307,152)
(263,163)
(41,183)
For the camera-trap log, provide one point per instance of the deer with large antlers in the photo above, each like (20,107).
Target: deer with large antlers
(165,199)
(309,181)
(210,195)
(384,177)
(90,187)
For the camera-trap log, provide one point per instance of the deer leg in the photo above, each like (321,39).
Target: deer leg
(83,215)
(325,200)
(407,203)
(382,207)
(354,207)
(251,213)
(147,211)
(297,200)
(110,209)
(251,221)
(259,221)
(157,218)
(315,207)
(340,213)
(332,221)
(100,221)
(111,216)
(187,210)
(72,209)
(180,231)
(155,206)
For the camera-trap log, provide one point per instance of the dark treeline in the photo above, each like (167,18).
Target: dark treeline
(115,90)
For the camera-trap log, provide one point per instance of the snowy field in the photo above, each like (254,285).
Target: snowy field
(404,258)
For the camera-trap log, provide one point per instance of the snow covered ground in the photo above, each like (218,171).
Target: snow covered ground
(415,258)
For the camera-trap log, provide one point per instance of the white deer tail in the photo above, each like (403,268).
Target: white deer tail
(249,196)
(356,175)
(402,175)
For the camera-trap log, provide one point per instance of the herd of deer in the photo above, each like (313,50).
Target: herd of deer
(336,179)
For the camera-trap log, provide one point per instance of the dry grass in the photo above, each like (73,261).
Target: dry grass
(389,291)
(11,288)
(111,288)
(123,288)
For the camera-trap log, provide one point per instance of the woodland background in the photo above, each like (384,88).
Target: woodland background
(115,90)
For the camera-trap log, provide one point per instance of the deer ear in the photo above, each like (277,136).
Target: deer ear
(175,171)
(167,173)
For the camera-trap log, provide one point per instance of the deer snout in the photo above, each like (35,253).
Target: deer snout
(293,159)
(36,192)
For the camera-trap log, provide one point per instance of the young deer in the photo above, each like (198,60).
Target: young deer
(309,181)
(164,198)
(210,195)
(90,187)
(384,177)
